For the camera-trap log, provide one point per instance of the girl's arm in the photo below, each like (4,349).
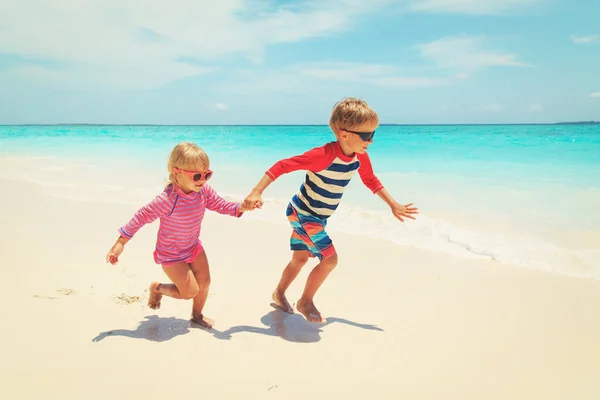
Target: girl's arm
(115,251)
(216,203)
(160,206)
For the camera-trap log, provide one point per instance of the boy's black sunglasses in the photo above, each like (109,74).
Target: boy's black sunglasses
(366,136)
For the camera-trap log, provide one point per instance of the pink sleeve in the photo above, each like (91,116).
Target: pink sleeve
(366,173)
(314,160)
(161,205)
(216,203)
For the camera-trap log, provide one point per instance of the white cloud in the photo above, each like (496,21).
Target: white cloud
(480,7)
(466,53)
(584,39)
(495,107)
(595,94)
(144,44)
(221,107)
(312,77)
(378,75)
(534,107)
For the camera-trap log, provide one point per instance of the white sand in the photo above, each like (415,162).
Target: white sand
(402,323)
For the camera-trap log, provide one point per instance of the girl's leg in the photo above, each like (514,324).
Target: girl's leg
(291,271)
(202,275)
(184,285)
(315,279)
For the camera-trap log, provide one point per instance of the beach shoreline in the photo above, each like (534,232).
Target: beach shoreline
(402,322)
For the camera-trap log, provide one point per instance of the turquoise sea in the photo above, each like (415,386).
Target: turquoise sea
(527,195)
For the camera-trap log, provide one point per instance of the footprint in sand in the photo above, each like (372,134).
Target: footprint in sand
(126,299)
(38,296)
(66,292)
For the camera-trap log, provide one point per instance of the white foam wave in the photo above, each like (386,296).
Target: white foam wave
(504,242)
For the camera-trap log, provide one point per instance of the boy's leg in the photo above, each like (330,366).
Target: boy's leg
(202,274)
(184,285)
(315,279)
(291,271)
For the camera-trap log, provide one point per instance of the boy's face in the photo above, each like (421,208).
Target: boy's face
(352,140)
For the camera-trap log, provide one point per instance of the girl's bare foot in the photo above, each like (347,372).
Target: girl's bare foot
(203,321)
(310,312)
(154,296)
(281,301)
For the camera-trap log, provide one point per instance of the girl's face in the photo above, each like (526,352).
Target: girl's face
(192,180)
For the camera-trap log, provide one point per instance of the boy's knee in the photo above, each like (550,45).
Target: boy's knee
(331,261)
(299,260)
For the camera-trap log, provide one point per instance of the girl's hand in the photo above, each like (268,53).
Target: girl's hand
(247,206)
(404,211)
(114,253)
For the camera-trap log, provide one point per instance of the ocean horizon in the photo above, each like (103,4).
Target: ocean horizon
(382,124)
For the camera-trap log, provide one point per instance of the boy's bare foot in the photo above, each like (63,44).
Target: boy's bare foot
(154,296)
(310,312)
(203,321)
(281,301)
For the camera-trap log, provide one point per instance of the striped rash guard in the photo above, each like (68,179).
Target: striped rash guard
(181,214)
(328,173)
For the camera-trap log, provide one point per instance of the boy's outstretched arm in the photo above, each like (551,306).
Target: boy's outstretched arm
(370,180)
(400,211)
(254,199)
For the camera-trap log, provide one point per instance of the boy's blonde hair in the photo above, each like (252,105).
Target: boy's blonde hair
(350,113)
(187,156)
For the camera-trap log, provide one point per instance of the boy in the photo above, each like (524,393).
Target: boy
(329,169)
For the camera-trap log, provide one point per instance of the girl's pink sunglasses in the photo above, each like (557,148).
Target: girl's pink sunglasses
(196,176)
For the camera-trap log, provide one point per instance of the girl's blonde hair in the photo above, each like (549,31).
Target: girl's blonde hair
(350,113)
(186,156)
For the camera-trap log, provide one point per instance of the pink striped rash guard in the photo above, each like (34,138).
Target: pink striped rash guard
(181,215)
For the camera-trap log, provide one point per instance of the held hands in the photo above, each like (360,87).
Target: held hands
(114,253)
(404,211)
(244,206)
(252,201)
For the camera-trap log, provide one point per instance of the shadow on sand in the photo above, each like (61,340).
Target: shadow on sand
(153,328)
(290,327)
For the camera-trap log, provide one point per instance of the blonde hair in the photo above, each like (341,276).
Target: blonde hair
(350,113)
(186,156)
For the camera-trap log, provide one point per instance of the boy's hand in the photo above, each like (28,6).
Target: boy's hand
(114,253)
(404,211)
(252,201)
(244,207)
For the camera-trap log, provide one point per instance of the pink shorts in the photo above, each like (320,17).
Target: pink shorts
(186,256)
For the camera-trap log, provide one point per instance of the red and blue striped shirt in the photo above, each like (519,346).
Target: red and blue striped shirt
(328,173)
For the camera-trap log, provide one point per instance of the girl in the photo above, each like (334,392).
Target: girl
(181,208)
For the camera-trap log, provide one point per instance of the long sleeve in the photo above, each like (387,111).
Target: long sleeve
(216,203)
(161,205)
(366,173)
(314,160)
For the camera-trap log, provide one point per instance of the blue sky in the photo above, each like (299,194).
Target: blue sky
(288,62)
